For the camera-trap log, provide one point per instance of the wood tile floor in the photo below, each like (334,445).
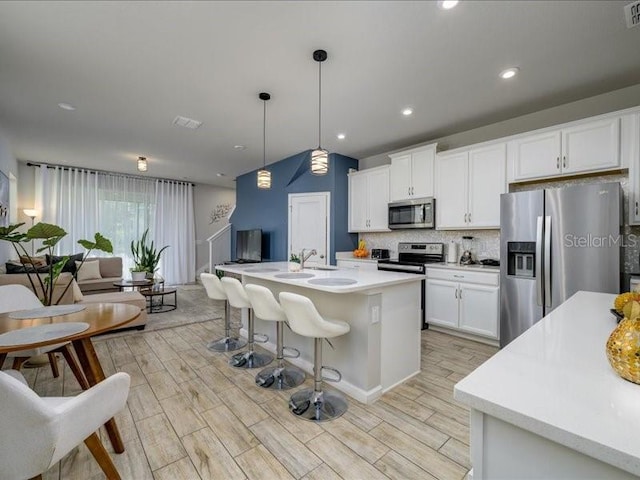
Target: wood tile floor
(191,416)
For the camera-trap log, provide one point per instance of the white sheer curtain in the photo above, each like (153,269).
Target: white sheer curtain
(121,208)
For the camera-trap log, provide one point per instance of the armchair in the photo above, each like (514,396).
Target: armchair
(38,431)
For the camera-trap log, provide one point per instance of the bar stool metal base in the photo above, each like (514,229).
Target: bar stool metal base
(250,359)
(280,378)
(226,344)
(317,406)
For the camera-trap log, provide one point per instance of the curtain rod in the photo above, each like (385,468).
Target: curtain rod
(115,174)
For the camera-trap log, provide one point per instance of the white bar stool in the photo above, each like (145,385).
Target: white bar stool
(238,299)
(214,289)
(266,307)
(316,405)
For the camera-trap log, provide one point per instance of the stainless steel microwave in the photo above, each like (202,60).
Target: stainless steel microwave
(417,213)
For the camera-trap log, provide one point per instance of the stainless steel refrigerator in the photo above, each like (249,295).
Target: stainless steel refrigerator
(554,243)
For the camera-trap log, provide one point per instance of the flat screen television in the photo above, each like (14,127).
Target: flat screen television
(249,245)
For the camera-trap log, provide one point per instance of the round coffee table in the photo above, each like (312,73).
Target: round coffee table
(160,306)
(134,285)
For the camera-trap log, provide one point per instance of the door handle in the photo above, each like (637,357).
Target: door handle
(456,293)
(547,261)
(460,294)
(539,273)
(408,190)
(558,163)
(564,161)
(469,217)
(636,208)
(322,256)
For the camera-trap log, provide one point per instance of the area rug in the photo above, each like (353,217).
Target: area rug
(193,307)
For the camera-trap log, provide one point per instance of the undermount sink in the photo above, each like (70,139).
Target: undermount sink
(262,269)
(333,282)
(294,275)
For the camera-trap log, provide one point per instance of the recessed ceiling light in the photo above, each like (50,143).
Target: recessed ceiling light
(67,106)
(509,73)
(239,147)
(407,111)
(220,175)
(341,136)
(447,4)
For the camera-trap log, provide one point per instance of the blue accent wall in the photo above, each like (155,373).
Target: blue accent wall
(267,209)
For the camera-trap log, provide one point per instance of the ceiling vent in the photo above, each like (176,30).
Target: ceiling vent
(186,122)
(632,14)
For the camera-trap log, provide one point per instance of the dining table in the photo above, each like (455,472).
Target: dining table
(100,317)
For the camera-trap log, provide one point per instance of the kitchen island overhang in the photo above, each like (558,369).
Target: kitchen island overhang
(382,349)
(549,405)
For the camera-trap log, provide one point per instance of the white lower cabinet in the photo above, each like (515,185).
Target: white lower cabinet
(465,301)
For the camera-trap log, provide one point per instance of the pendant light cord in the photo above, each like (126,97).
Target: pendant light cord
(264,136)
(319,102)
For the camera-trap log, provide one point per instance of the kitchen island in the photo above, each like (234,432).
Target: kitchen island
(382,349)
(549,405)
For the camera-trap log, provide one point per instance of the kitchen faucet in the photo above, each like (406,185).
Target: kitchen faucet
(304,259)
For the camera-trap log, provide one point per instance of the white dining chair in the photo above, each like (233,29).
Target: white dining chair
(38,431)
(18,297)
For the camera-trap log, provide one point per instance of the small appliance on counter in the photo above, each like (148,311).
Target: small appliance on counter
(467,256)
(379,253)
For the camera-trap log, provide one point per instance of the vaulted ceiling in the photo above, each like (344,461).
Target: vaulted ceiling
(129,68)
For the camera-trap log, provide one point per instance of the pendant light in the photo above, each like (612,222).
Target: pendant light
(264,175)
(319,157)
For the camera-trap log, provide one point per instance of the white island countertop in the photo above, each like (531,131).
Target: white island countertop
(364,280)
(555,381)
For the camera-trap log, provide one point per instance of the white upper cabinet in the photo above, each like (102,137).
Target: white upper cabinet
(468,187)
(368,200)
(580,148)
(411,174)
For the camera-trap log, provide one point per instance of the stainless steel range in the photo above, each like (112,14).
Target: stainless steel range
(412,258)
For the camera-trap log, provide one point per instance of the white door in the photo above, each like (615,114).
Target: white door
(441,299)
(487,174)
(479,309)
(537,156)
(591,146)
(378,200)
(400,178)
(422,164)
(451,185)
(309,225)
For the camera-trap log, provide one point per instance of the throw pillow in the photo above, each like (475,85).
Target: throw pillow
(37,261)
(17,267)
(88,271)
(77,293)
(70,266)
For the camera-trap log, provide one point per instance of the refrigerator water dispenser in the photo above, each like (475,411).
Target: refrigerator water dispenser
(521,259)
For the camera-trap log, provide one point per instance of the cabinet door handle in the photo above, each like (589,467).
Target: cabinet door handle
(636,208)
(469,217)
(456,293)
(413,191)
(564,161)
(408,190)
(458,276)
(465,218)
(460,294)
(558,163)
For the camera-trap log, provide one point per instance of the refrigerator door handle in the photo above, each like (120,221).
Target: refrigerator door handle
(547,261)
(539,238)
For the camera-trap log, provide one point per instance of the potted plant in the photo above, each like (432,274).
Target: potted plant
(50,235)
(294,263)
(145,257)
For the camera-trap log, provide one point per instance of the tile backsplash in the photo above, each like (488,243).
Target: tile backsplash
(486,243)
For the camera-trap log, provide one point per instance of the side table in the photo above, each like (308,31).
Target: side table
(160,306)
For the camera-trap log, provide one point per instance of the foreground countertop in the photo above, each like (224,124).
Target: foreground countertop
(555,380)
(365,279)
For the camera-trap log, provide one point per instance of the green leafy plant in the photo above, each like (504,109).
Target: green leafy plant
(294,258)
(50,235)
(145,255)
